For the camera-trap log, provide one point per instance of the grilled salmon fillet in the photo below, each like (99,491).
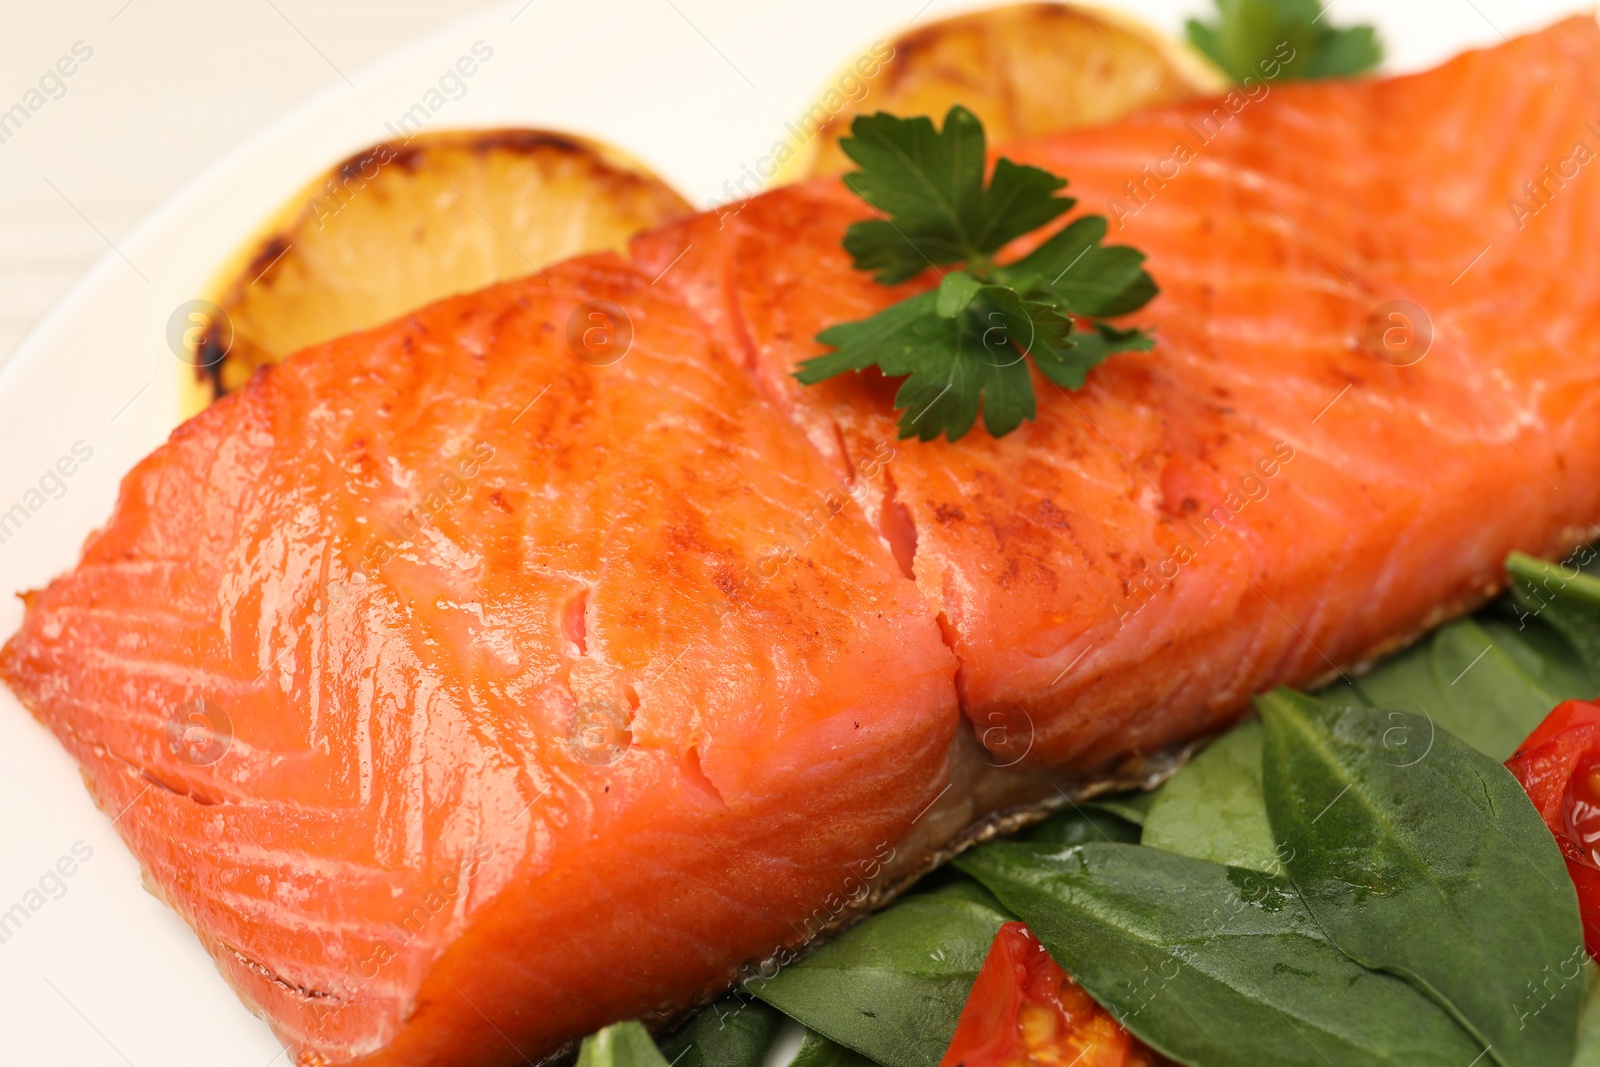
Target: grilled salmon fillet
(466,688)
(539,700)
(1282,488)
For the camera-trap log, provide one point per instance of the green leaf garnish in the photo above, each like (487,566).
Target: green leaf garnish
(818,1051)
(621,1045)
(1263,40)
(1482,679)
(1078,825)
(1214,808)
(1424,858)
(732,1032)
(1588,1052)
(1564,596)
(965,345)
(1210,964)
(1133,806)
(893,987)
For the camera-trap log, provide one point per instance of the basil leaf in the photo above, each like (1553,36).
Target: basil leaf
(1589,1030)
(1213,809)
(1546,656)
(733,1032)
(1422,857)
(818,1051)
(1344,691)
(620,1045)
(1131,806)
(1565,597)
(1471,684)
(893,987)
(1486,698)
(1211,964)
(1404,680)
(1077,826)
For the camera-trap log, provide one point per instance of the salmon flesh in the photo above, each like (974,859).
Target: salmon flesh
(478,680)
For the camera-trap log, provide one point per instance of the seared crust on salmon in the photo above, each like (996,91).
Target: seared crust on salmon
(544,677)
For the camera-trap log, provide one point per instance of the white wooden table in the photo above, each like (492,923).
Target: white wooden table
(168,86)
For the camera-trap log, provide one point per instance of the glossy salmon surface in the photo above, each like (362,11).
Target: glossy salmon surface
(542,706)
(478,680)
(1294,479)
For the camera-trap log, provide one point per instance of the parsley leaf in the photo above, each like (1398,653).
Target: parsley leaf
(1283,38)
(965,345)
(930,185)
(949,360)
(1086,277)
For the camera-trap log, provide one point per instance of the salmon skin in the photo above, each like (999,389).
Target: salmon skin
(467,688)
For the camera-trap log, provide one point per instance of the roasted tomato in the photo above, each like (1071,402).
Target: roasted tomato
(1559,766)
(1024,1010)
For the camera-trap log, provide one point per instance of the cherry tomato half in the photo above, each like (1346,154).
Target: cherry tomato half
(1024,1011)
(1559,766)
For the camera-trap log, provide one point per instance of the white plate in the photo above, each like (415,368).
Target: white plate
(101,973)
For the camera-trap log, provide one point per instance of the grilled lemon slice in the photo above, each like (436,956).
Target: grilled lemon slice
(401,224)
(1024,70)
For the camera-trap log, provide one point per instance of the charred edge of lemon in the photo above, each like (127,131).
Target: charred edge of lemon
(1191,64)
(201,376)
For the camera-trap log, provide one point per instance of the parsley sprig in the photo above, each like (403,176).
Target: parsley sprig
(1268,38)
(967,343)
